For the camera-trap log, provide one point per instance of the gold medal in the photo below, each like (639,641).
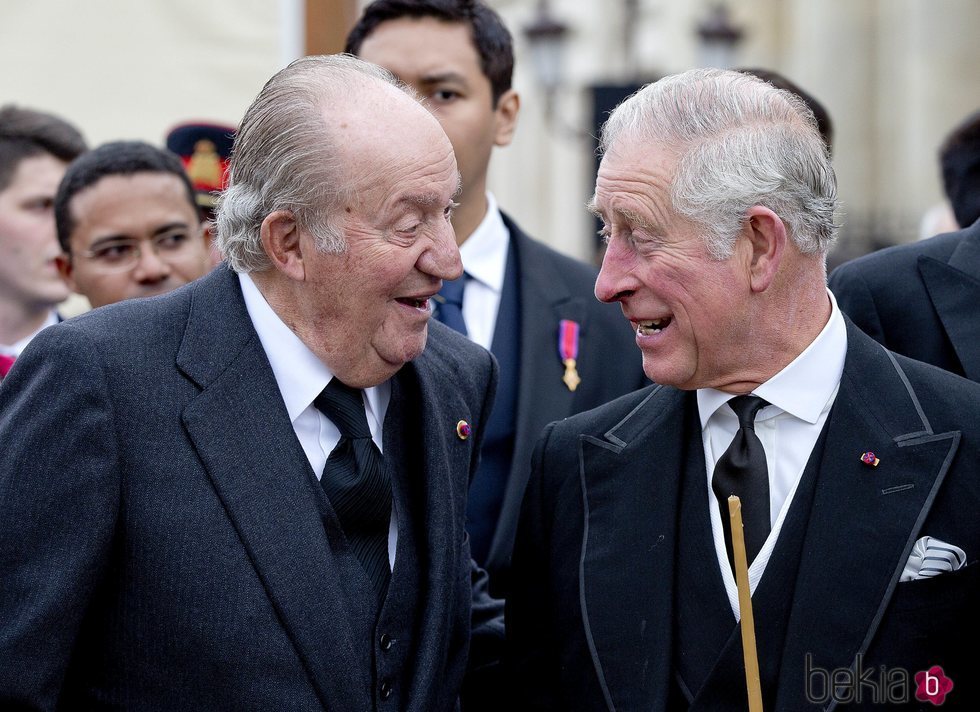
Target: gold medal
(571,377)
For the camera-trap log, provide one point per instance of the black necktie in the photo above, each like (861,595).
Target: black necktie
(450,311)
(742,471)
(356,483)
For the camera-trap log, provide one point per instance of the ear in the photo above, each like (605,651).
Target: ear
(505,117)
(280,236)
(767,236)
(66,270)
(208,233)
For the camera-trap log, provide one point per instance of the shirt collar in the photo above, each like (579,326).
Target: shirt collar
(299,374)
(803,387)
(484,253)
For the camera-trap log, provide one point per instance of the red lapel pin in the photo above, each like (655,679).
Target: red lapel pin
(870,459)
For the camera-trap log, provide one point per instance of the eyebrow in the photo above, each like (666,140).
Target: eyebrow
(179,225)
(440,77)
(631,217)
(426,200)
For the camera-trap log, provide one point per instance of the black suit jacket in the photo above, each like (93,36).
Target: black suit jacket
(921,300)
(555,287)
(160,542)
(590,618)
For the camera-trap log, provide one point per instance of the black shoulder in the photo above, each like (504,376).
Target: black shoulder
(891,262)
(128,328)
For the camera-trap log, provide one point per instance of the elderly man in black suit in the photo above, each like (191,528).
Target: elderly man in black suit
(250,493)
(857,469)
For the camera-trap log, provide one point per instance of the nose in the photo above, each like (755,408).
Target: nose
(442,259)
(150,268)
(615,281)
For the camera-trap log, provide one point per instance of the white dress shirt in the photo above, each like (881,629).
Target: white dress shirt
(484,256)
(800,398)
(301,376)
(18,347)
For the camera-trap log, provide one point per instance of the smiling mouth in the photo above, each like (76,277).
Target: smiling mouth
(414,302)
(655,326)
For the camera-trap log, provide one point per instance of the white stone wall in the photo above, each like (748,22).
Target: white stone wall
(134,68)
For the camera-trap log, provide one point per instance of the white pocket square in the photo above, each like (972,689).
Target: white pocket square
(931,557)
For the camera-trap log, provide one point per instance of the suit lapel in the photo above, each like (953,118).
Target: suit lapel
(864,519)
(630,479)
(428,395)
(242,433)
(954,289)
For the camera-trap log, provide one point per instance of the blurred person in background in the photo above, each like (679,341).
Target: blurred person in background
(205,150)
(920,299)
(128,224)
(35,149)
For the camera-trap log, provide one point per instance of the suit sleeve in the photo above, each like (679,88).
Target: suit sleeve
(59,492)
(855,299)
(531,660)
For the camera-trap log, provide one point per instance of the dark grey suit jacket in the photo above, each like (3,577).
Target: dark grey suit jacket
(921,300)
(555,287)
(590,618)
(160,543)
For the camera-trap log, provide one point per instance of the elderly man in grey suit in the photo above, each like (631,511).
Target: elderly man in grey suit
(250,493)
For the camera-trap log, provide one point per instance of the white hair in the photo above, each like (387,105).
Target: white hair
(284,158)
(739,142)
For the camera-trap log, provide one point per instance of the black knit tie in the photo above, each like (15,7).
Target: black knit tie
(742,471)
(356,483)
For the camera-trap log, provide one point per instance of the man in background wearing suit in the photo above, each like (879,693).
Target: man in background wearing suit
(857,469)
(532,307)
(250,493)
(35,149)
(921,299)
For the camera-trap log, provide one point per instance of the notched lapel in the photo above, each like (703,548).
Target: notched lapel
(241,431)
(864,519)
(630,480)
(428,398)
(955,292)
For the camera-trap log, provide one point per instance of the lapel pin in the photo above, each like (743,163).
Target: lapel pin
(568,331)
(870,459)
(463,430)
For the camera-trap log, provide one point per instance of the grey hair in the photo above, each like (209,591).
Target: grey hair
(739,142)
(283,158)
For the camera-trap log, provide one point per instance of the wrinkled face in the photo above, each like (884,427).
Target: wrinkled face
(438,59)
(365,312)
(119,216)
(28,243)
(689,310)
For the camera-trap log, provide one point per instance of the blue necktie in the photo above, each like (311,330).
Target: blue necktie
(450,300)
